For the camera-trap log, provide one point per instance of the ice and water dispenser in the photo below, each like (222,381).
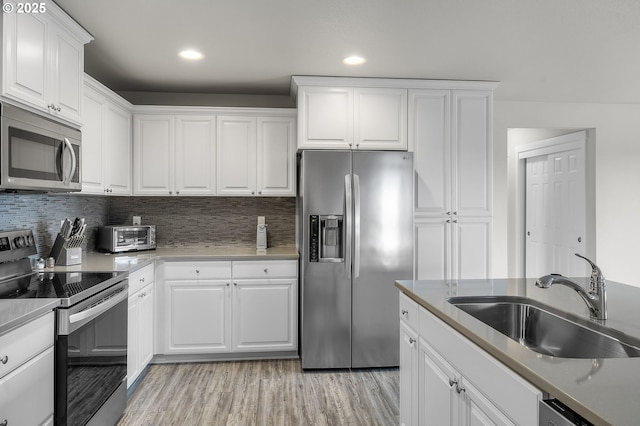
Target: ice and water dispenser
(325,239)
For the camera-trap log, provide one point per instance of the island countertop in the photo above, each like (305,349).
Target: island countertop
(604,391)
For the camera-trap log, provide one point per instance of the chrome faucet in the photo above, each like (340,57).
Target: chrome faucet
(595,298)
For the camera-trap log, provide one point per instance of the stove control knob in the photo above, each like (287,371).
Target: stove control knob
(30,240)
(19,242)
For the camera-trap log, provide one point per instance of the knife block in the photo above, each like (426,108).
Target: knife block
(67,251)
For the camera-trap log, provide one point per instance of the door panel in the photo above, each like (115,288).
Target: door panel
(385,253)
(326,286)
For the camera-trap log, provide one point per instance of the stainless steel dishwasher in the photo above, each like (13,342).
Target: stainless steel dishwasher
(552,412)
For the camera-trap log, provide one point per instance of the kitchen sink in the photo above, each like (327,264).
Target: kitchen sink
(546,330)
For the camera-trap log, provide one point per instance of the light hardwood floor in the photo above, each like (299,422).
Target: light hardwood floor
(275,392)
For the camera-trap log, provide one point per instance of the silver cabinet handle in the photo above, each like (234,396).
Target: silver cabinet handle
(4,359)
(405,312)
(266,271)
(459,388)
(453,382)
(170,192)
(142,279)
(412,340)
(5,422)
(197,271)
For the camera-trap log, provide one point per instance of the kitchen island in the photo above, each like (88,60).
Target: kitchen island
(604,391)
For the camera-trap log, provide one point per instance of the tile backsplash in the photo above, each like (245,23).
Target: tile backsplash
(210,221)
(43,213)
(181,221)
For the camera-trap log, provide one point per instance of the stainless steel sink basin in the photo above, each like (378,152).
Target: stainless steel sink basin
(547,331)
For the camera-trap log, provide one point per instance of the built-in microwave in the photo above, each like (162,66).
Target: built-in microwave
(36,153)
(121,238)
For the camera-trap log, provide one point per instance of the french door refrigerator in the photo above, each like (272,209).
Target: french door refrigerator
(355,230)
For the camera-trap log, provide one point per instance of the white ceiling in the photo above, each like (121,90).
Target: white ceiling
(540,50)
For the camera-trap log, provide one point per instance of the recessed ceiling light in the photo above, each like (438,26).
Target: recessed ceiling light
(353,60)
(190,54)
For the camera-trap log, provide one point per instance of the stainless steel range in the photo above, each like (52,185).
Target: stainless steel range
(91,331)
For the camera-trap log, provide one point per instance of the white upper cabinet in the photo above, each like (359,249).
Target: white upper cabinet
(214,151)
(450,133)
(106,141)
(195,167)
(43,61)
(153,154)
(237,151)
(380,118)
(276,171)
(256,155)
(372,118)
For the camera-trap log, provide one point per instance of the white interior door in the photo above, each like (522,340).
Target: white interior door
(555,213)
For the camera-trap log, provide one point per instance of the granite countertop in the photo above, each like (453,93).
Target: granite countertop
(14,313)
(128,262)
(604,391)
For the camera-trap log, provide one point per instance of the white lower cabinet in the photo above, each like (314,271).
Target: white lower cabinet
(215,307)
(458,382)
(26,373)
(140,332)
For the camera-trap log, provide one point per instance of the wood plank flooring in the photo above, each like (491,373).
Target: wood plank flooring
(274,392)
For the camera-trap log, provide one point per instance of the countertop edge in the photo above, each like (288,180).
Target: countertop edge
(42,307)
(513,364)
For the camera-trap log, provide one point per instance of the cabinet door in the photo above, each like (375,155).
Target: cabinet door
(153,154)
(471,248)
(439,401)
(195,155)
(197,316)
(118,138)
(265,315)
(145,321)
(236,155)
(432,249)
(429,136)
(67,68)
(380,116)
(472,153)
(325,118)
(477,410)
(133,339)
(93,146)
(25,57)
(409,397)
(20,389)
(276,156)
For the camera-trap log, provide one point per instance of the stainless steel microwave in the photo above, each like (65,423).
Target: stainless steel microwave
(36,153)
(121,238)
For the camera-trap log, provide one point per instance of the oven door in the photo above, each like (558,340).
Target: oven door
(91,359)
(38,154)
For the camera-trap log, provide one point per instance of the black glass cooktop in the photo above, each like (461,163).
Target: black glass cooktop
(57,285)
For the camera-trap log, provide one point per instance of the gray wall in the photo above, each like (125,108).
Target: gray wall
(181,221)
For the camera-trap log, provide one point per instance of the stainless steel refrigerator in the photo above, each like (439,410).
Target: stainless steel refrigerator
(355,229)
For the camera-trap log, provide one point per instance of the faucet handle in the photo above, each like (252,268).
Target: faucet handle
(597,277)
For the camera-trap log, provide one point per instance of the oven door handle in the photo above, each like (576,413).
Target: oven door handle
(100,308)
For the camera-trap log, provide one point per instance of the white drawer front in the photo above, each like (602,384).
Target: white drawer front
(26,394)
(408,311)
(265,269)
(140,278)
(23,343)
(197,270)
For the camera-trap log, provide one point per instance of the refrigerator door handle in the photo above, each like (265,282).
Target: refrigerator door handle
(348,202)
(356,225)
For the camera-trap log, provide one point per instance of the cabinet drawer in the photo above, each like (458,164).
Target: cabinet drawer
(408,311)
(26,394)
(23,343)
(140,278)
(265,269)
(197,270)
